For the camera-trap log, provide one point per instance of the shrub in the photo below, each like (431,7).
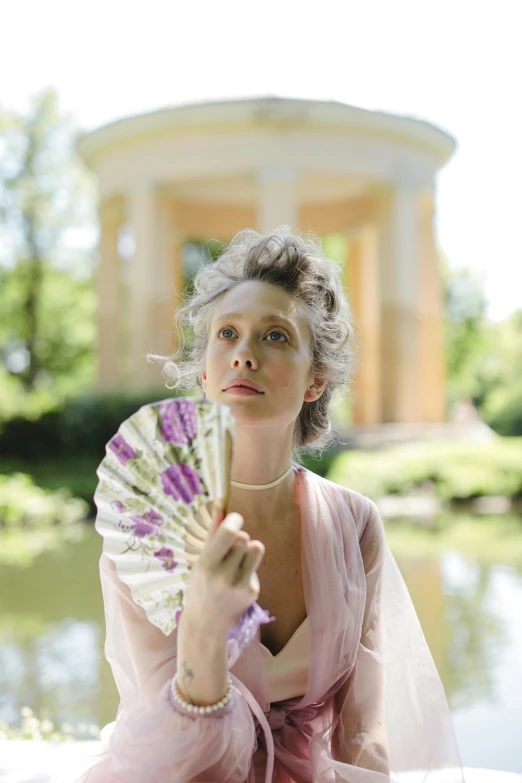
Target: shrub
(79,426)
(449,470)
(22,504)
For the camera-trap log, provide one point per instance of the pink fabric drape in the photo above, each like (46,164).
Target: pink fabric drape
(374,708)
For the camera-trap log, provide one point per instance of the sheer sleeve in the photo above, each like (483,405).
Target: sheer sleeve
(393,717)
(360,738)
(153,737)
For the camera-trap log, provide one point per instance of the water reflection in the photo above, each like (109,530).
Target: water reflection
(52,635)
(478,630)
(58,670)
(462,626)
(488,726)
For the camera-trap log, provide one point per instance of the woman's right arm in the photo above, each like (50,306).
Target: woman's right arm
(222,586)
(154,737)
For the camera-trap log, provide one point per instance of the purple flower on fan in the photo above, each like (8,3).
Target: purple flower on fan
(182,482)
(121,448)
(167,558)
(178,421)
(147,524)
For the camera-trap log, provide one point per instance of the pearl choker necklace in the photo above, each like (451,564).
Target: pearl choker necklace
(263,486)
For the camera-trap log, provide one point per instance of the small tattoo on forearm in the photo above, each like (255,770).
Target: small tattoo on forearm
(187,675)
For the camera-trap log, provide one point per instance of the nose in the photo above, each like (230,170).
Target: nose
(243,355)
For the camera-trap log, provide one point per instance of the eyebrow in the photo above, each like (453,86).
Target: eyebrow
(264,319)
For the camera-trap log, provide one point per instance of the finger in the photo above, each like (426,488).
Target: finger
(218,515)
(241,537)
(233,559)
(250,563)
(223,539)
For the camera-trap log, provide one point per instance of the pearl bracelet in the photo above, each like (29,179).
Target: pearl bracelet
(203,709)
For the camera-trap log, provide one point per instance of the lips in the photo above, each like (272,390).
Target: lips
(244,384)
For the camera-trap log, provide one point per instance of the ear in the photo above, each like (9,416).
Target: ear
(315,390)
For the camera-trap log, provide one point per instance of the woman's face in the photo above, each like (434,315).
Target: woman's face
(250,338)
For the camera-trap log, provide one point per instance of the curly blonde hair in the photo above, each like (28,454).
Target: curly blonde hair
(295,262)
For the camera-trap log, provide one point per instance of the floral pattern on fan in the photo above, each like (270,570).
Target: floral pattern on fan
(161,469)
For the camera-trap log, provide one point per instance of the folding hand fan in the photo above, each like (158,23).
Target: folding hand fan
(164,470)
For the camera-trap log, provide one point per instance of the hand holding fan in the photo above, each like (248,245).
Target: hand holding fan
(164,472)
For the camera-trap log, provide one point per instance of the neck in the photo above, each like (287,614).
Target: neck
(261,455)
(262,509)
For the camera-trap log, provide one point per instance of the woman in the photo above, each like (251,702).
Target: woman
(340,685)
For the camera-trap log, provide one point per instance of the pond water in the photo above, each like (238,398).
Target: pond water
(52,635)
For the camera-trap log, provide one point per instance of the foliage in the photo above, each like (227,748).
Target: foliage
(34,519)
(449,470)
(322,465)
(66,338)
(466,333)
(14,401)
(76,427)
(77,475)
(502,408)
(46,200)
(63,444)
(483,359)
(22,504)
(197,253)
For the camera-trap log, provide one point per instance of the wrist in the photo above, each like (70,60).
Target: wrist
(198,627)
(179,697)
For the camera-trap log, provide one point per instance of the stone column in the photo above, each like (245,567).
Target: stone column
(399,256)
(363,289)
(176,238)
(277,198)
(169,282)
(151,294)
(432,364)
(110,297)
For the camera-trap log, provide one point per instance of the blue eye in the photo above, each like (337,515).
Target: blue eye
(274,331)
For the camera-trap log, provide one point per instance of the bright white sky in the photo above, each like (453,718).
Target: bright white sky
(455,63)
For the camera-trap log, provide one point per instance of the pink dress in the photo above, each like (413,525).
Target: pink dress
(354,696)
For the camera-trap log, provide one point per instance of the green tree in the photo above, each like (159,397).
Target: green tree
(468,335)
(45,195)
(502,407)
(66,336)
(483,358)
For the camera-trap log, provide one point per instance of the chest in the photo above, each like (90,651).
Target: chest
(281,588)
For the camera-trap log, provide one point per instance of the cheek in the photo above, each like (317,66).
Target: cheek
(288,374)
(212,356)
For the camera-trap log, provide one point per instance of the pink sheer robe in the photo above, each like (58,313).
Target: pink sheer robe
(354,696)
